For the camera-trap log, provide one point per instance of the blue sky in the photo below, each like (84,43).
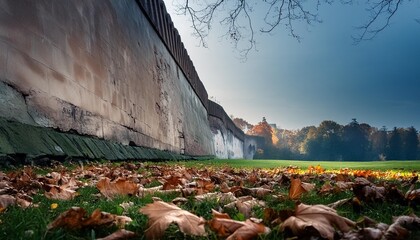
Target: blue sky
(324,77)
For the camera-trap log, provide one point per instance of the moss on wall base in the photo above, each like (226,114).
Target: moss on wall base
(22,142)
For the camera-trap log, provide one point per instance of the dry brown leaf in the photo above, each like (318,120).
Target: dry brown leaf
(98,218)
(369,193)
(23,203)
(342,186)
(224,227)
(408,222)
(308,186)
(250,230)
(75,218)
(217,214)
(119,235)
(322,218)
(364,233)
(5,201)
(121,221)
(245,205)
(173,182)
(72,219)
(413,196)
(60,193)
(119,187)
(297,188)
(381,231)
(162,214)
(222,198)
(179,200)
(326,188)
(257,192)
(205,185)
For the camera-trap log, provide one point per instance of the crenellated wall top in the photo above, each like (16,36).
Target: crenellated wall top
(157,14)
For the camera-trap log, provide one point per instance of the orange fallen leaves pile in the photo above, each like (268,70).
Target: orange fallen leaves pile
(240,191)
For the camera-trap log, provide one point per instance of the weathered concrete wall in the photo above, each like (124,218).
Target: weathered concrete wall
(109,68)
(226,145)
(251,144)
(228,139)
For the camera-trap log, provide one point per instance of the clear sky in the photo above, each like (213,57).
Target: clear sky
(324,77)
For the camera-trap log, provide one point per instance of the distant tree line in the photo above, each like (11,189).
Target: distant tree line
(332,141)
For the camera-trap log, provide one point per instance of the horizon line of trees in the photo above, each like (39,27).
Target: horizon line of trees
(333,141)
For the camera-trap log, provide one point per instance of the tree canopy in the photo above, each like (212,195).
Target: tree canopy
(333,141)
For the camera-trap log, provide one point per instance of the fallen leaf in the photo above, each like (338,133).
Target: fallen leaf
(257,192)
(121,221)
(72,219)
(119,235)
(60,193)
(413,197)
(316,217)
(162,214)
(326,188)
(173,182)
(222,198)
(217,214)
(250,230)
(75,218)
(297,188)
(224,227)
(126,205)
(5,201)
(245,205)
(23,202)
(98,218)
(179,200)
(119,187)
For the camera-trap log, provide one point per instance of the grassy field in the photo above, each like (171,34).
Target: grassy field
(372,165)
(31,222)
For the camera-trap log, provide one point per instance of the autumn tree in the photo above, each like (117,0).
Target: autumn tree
(242,19)
(355,140)
(263,129)
(324,142)
(395,144)
(379,142)
(305,135)
(411,143)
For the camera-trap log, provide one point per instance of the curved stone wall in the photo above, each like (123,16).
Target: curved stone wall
(112,69)
(228,139)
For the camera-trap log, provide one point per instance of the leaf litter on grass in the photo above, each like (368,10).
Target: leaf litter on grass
(261,196)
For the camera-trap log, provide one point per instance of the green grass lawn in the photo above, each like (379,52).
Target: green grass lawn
(372,165)
(31,223)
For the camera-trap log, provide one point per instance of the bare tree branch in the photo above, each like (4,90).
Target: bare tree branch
(384,9)
(237,17)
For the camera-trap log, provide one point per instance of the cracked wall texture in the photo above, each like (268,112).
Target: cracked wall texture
(98,68)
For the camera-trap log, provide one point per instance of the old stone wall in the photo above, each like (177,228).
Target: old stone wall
(228,139)
(113,69)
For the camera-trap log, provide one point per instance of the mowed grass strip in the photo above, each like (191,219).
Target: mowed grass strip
(408,166)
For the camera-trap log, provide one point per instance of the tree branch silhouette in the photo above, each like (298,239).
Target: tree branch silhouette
(238,20)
